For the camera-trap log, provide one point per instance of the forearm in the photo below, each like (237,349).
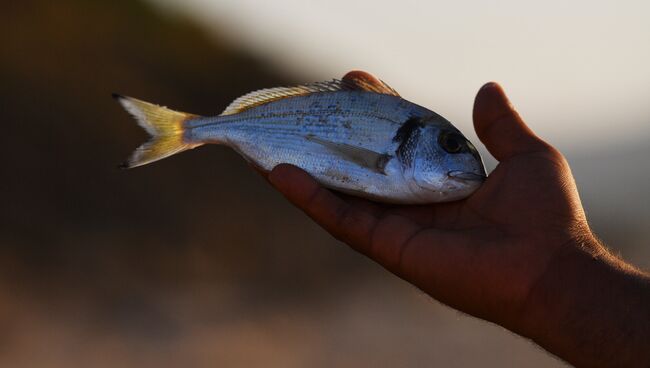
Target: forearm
(591,309)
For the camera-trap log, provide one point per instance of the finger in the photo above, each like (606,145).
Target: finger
(439,215)
(420,214)
(378,236)
(499,127)
(345,222)
(394,241)
(374,208)
(423,215)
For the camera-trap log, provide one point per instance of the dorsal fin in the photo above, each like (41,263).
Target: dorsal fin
(267,95)
(352,81)
(368,82)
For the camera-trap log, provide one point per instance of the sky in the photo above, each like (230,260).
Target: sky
(578,71)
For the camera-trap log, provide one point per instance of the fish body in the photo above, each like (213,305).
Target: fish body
(354,135)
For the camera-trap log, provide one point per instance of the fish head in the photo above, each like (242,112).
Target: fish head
(445,162)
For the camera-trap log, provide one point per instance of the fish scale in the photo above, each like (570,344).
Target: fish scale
(268,135)
(355,135)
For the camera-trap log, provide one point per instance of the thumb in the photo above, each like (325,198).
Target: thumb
(500,127)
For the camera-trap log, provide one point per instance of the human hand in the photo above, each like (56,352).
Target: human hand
(487,255)
(481,255)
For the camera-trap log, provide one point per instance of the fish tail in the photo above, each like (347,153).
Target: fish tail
(165,126)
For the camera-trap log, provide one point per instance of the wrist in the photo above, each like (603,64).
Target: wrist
(573,264)
(588,307)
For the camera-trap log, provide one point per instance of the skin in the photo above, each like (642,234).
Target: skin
(518,252)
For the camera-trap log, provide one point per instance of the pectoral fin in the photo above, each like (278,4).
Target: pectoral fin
(363,157)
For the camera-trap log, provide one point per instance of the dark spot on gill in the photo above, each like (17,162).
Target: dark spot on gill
(407,129)
(407,136)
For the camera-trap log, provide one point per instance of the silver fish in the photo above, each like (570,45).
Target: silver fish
(355,135)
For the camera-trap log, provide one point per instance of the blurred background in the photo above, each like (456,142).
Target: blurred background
(195,261)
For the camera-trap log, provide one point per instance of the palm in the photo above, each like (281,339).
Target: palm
(475,242)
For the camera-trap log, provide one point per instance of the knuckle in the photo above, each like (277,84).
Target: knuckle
(553,155)
(314,197)
(345,217)
(349,225)
(400,264)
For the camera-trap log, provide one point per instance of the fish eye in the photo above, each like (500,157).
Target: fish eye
(451,142)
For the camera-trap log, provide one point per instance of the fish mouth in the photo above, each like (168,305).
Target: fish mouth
(465,175)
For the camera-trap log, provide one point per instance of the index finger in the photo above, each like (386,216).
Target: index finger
(338,217)
(379,235)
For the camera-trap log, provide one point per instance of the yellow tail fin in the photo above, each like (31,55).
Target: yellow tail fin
(165,127)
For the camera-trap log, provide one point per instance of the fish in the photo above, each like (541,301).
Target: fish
(355,135)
